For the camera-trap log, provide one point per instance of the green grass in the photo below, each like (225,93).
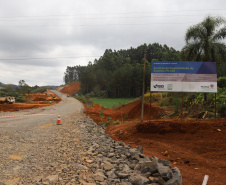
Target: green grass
(110,103)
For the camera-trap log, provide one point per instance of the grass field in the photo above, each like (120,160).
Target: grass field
(111,103)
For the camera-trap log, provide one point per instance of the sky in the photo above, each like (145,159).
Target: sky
(39,39)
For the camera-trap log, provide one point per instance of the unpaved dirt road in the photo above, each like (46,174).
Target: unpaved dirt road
(40,116)
(32,147)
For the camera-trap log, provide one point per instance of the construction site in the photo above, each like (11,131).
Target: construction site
(34,101)
(196,146)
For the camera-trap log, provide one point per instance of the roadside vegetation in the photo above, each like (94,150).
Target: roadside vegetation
(112,103)
(194,104)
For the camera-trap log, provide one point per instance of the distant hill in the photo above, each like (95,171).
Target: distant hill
(6,85)
(51,87)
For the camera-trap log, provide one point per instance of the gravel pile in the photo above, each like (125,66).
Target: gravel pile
(109,162)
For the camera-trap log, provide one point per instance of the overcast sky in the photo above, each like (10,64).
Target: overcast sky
(39,39)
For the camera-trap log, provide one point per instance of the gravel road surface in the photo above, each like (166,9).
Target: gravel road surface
(33,147)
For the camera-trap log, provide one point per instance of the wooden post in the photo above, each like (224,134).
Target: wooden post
(182,110)
(150,106)
(142,108)
(150,97)
(215,106)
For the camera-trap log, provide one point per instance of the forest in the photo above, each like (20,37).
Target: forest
(119,74)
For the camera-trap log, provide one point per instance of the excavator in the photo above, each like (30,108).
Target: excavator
(53,97)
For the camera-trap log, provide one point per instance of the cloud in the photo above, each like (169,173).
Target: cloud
(44,37)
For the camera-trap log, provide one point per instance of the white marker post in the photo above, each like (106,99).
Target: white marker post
(206,177)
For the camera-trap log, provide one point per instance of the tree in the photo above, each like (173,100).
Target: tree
(204,42)
(24,88)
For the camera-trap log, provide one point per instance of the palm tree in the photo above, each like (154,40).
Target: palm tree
(204,41)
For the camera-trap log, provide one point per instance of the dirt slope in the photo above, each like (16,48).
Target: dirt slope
(71,88)
(130,111)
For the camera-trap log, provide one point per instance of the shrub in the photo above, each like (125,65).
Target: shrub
(177,104)
(40,90)
(21,98)
(221,82)
(222,110)
(84,100)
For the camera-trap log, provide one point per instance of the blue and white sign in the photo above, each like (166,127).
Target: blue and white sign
(170,76)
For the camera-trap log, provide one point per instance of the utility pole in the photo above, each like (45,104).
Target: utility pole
(142,108)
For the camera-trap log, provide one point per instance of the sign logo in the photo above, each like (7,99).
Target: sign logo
(170,87)
(211,85)
(204,86)
(159,86)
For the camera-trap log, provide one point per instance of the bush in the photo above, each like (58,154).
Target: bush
(177,102)
(221,82)
(165,102)
(84,100)
(21,99)
(96,94)
(40,90)
(3,93)
(222,110)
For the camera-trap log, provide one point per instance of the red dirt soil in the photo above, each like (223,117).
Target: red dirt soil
(71,88)
(196,147)
(128,112)
(19,106)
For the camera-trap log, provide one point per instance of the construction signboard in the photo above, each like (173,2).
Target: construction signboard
(181,76)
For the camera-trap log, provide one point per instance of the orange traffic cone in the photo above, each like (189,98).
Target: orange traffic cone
(58,120)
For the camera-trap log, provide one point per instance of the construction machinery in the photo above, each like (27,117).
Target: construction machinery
(7,99)
(53,97)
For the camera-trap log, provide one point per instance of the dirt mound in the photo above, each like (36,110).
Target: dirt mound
(71,88)
(43,97)
(162,127)
(39,99)
(20,106)
(133,111)
(130,111)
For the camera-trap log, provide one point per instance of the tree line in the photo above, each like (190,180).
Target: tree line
(119,73)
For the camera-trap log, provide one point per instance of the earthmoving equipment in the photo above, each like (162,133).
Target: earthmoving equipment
(53,97)
(7,99)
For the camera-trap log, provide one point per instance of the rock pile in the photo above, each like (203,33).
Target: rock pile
(106,161)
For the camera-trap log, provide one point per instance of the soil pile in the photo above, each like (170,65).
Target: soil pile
(19,106)
(71,89)
(130,111)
